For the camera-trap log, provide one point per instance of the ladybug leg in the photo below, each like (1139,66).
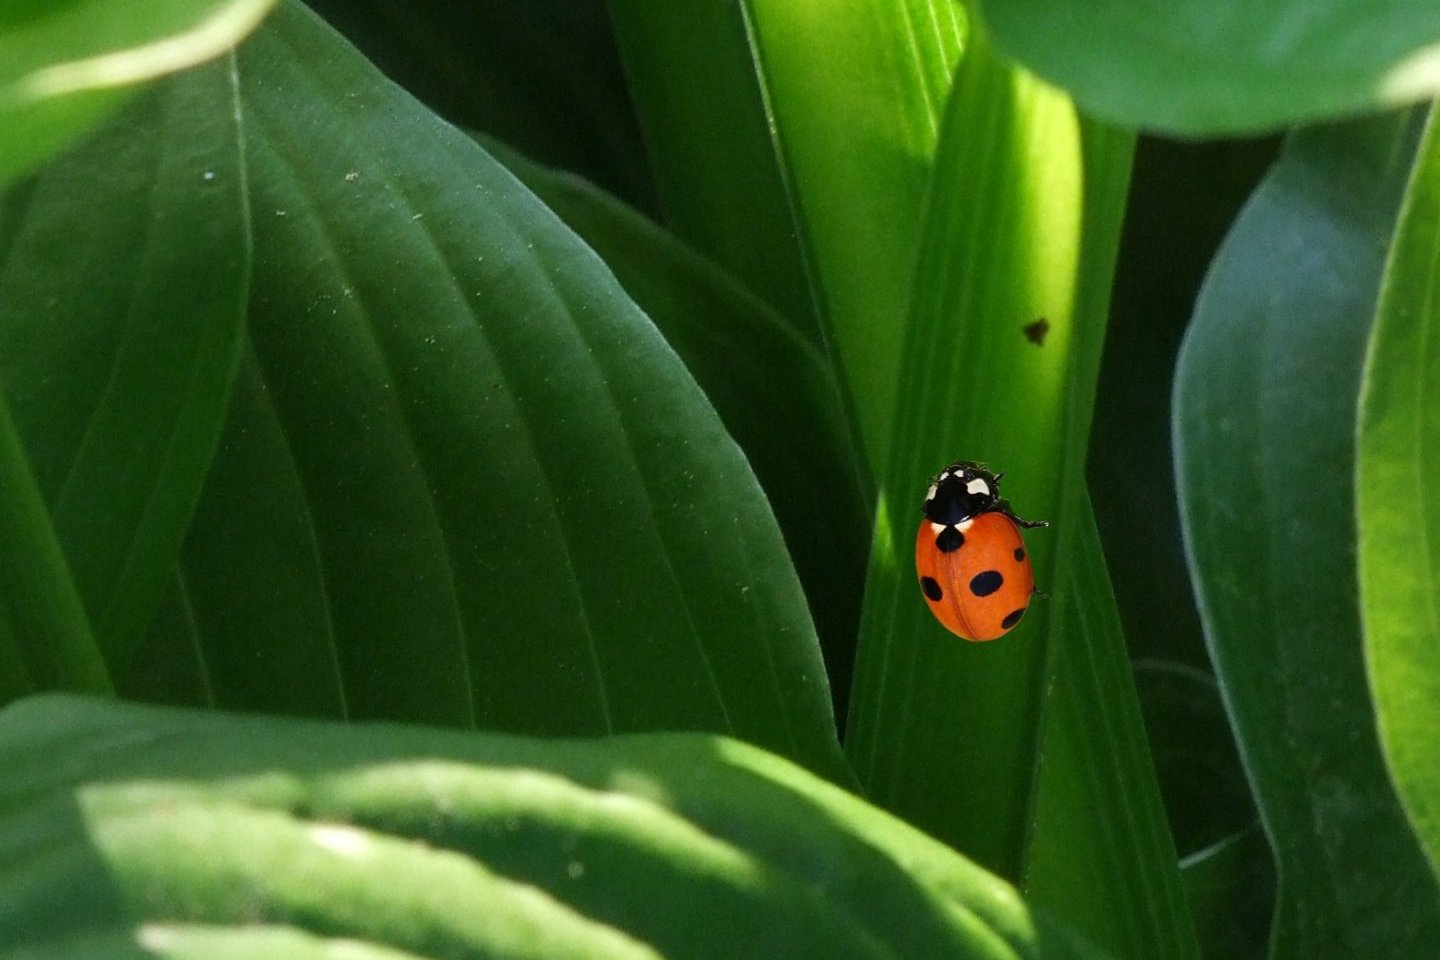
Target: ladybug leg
(1004,507)
(1040,593)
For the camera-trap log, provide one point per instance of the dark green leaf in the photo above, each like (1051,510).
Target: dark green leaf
(123,278)
(63,66)
(1099,851)
(771,386)
(702,107)
(1207,67)
(1398,480)
(445,844)
(1231,888)
(466,481)
(1264,433)
(542,75)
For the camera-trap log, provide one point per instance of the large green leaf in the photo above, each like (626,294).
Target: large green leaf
(771,386)
(852,149)
(484,487)
(64,65)
(123,278)
(1397,489)
(1206,67)
(944,731)
(123,821)
(1264,433)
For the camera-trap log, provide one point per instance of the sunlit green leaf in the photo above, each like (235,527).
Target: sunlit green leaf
(1398,488)
(1206,67)
(445,844)
(64,65)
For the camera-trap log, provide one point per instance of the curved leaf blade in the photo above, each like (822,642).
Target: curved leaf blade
(1197,68)
(522,511)
(63,65)
(435,843)
(1396,490)
(116,350)
(1265,464)
(773,388)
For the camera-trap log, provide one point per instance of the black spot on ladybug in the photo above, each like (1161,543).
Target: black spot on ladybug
(1012,618)
(950,540)
(1035,332)
(1019,554)
(931,589)
(984,584)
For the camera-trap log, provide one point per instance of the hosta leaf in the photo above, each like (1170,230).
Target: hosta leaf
(123,280)
(488,489)
(771,386)
(1264,433)
(1397,489)
(1202,67)
(63,65)
(176,827)
(853,157)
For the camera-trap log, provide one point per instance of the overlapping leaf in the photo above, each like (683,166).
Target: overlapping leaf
(1264,431)
(1397,489)
(484,486)
(1202,67)
(260,833)
(64,65)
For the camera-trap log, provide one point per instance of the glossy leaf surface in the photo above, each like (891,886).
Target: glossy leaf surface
(1398,488)
(486,487)
(1204,68)
(124,272)
(1264,432)
(64,65)
(437,843)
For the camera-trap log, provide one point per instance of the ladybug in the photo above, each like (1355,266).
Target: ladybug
(969,555)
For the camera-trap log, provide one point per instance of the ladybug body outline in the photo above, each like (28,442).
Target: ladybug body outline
(970,556)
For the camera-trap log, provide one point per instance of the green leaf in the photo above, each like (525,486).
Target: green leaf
(1264,433)
(1397,489)
(853,156)
(943,731)
(485,488)
(702,109)
(1205,68)
(63,66)
(45,638)
(1230,886)
(772,387)
(542,75)
(123,281)
(1100,853)
(182,825)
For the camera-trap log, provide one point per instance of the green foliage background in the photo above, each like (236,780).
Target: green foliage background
(569,373)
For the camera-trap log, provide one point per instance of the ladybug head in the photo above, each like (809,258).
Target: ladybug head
(961,491)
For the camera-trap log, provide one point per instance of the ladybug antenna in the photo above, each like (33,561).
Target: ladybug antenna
(998,477)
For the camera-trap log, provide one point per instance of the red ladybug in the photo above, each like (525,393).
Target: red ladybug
(969,555)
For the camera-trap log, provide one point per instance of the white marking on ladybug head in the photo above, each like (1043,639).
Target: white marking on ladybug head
(937,528)
(930,494)
(964,525)
(978,486)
